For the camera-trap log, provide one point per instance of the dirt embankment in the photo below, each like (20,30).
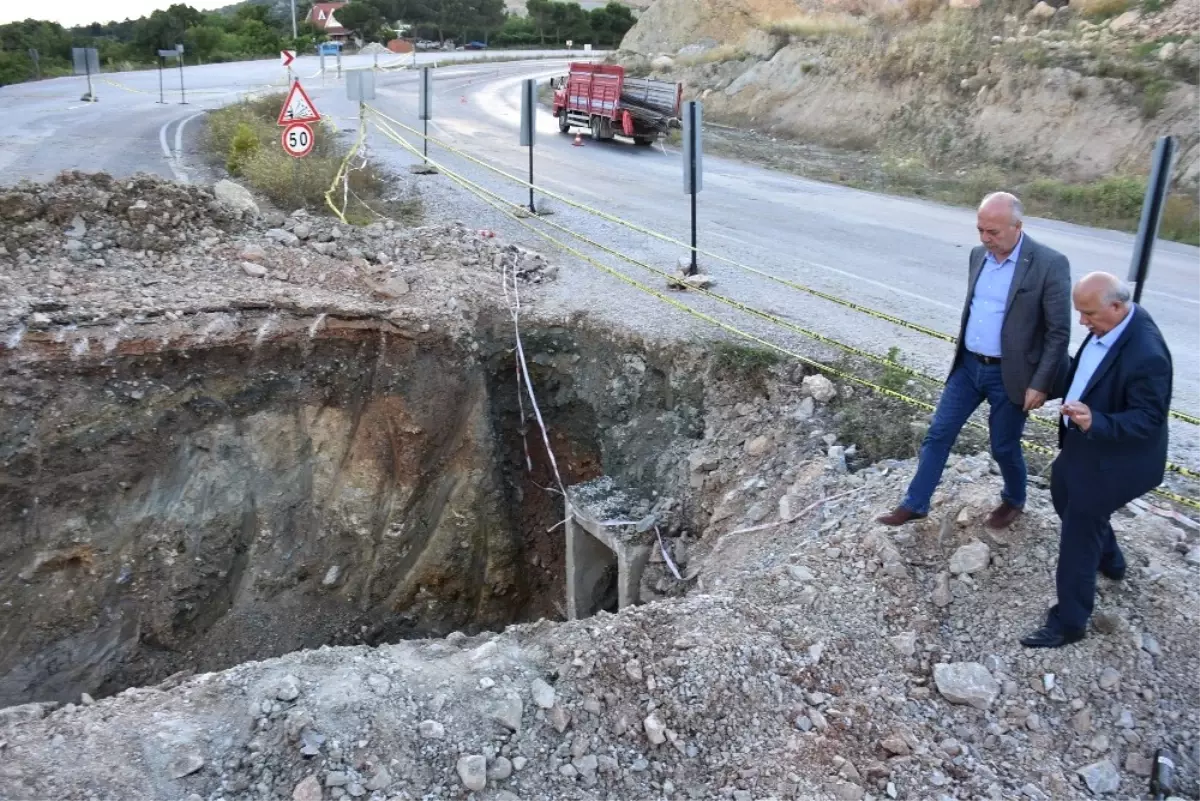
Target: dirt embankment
(998,94)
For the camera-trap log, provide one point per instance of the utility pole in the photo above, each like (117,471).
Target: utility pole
(295,32)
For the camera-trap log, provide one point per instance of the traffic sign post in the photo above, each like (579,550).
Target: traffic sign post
(693,165)
(297,140)
(86,61)
(286,57)
(298,107)
(529,128)
(162,101)
(1152,210)
(182,91)
(163,55)
(426,110)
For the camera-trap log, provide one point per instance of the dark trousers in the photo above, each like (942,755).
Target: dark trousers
(971,383)
(1086,543)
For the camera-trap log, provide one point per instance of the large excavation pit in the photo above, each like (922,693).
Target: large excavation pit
(189,495)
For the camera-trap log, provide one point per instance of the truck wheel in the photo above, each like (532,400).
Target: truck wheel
(563,125)
(644,141)
(596,128)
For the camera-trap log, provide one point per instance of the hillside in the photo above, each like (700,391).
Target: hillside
(979,94)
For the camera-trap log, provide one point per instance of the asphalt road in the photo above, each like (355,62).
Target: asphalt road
(904,256)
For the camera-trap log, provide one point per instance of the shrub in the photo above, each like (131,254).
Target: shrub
(818,26)
(242,148)
(245,138)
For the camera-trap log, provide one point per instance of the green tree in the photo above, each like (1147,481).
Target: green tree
(610,23)
(164,29)
(202,41)
(362,17)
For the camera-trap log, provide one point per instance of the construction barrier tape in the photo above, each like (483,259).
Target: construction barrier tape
(732,262)
(500,204)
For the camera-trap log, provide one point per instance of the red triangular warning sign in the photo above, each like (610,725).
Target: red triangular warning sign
(298,107)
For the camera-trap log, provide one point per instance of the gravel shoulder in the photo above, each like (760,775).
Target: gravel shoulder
(803,653)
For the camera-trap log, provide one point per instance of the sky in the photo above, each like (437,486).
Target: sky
(82,12)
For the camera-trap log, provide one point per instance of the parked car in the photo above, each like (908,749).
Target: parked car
(476,46)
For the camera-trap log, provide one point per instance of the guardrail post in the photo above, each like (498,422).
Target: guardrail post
(1152,211)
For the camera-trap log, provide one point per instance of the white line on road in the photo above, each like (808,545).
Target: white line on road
(855,276)
(175,159)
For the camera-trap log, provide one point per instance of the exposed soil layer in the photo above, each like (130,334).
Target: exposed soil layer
(301,482)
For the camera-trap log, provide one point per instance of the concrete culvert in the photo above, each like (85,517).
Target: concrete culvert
(202,505)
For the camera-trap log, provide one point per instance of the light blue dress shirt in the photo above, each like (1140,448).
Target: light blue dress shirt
(986,318)
(1090,357)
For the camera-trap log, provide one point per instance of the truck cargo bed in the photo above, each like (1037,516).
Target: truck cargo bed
(651,95)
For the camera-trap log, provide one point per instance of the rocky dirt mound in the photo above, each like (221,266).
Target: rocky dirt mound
(670,25)
(813,655)
(1067,93)
(92,249)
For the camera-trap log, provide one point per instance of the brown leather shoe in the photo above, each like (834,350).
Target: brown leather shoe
(1003,516)
(898,517)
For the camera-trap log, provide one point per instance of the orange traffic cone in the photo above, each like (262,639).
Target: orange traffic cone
(578,140)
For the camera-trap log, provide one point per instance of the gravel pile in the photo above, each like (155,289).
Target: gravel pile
(808,653)
(89,250)
(803,651)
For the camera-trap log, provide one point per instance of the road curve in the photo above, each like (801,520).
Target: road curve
(901,255)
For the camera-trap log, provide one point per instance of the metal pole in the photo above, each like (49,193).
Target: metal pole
(182,91)
(532,208)
(295,32)
(1152,210)
(694,268)
(161,92)
(425,140)
(87,66)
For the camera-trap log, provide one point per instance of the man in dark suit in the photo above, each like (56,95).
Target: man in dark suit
(1012,351)
(1113,446)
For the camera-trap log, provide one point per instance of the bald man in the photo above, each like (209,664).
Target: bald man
(1113,441)
(1012,352)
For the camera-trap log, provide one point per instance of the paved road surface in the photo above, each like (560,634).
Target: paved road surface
(901,255)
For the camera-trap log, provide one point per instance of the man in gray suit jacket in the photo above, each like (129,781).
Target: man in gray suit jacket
(1012,351)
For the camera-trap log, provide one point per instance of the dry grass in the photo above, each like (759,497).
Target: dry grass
(1101,9)
(715,55)
(818,26)
(244,138)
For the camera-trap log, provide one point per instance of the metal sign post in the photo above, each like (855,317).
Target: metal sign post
(86,61)
(360,87)
(693,165)
(1152,211)
(426,106)
(163,55)
(182,91)
(36,58)
(529,128)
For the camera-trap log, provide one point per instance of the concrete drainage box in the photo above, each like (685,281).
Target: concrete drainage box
(609,540)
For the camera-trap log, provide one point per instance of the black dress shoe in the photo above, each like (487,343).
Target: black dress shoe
(1114,575)
(1047,637)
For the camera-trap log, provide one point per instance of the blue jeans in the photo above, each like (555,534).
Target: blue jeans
(970,384)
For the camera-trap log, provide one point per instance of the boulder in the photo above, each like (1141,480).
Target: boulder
(966,683)
(235,197)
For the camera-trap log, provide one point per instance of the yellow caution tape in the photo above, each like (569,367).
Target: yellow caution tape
(500,203)
(341,172)
(724,259)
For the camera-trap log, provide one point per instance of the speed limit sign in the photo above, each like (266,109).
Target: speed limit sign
(298,140)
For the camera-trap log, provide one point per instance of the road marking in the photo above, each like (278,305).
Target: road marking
(175,159)
(162,140)
(855,276)
(1172,296)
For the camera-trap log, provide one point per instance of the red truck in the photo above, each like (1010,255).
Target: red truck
(606,101)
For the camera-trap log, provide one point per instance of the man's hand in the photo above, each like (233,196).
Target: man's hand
(1078,413)
(1034,399)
